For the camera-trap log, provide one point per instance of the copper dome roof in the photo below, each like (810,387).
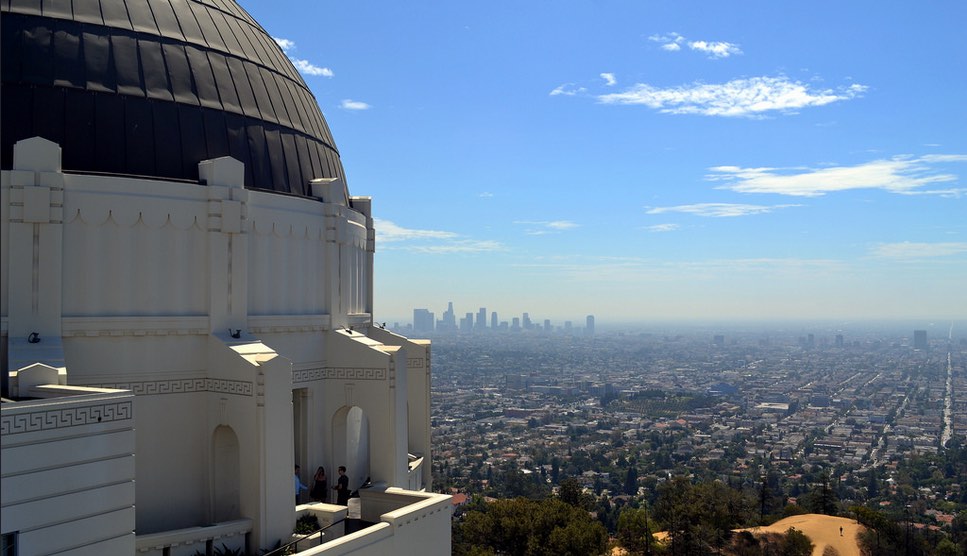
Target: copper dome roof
(152,87)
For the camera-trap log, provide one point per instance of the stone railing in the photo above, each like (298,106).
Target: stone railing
(191,540)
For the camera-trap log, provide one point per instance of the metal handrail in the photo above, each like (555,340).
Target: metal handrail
(281,550)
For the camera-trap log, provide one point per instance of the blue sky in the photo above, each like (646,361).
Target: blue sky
(650,160)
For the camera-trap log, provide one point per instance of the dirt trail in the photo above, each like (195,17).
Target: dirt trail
(823,530)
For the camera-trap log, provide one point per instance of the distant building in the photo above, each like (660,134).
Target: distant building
(493,320)
(839,340)
(422,320)
(919,339)
(718,340)
(589,325)
(481,319)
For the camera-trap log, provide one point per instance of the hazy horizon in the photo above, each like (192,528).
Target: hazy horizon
(750,160)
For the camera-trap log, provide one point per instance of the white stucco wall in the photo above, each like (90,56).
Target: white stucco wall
(67,468)
(140,284)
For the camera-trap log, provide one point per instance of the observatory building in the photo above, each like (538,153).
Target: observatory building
(186,299)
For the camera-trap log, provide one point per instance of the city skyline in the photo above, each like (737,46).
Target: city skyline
(742,161)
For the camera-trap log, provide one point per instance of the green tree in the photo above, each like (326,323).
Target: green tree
(522,527)
(795,543)
(635,531)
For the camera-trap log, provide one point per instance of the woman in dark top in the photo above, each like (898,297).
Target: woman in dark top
(320,486)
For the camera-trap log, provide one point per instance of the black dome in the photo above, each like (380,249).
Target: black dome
(152,87)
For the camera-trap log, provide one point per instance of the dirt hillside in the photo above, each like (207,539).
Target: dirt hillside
(823,530)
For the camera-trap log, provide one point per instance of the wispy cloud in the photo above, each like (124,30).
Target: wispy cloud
(304,66)
(662,228)
(429,241)
(609,79)
(634,270)
(912,250)
(567,89)
(906,175)
(715,49)
(719,210)
(673,42)
(486,195)
(349,104)
(541,227)
(388,231)
(753,97)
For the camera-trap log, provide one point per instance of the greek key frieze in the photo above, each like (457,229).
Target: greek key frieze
(339,373)
(50,419)
(415,363)
(185,386)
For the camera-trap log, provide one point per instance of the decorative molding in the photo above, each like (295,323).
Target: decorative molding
(415,363)
(185,386)
(339,373)
(134,326)
(51,419)
(277,324)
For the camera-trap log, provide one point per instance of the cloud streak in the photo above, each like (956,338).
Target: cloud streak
(349,104)
(542,227)
(718,210)
(914,251)
(305,67)
(753,97)
(567,89)
(609,79)
(715,49)
(906,175)
(672,42)
(429,241)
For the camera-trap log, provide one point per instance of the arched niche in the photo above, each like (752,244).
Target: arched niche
(350,428)
(226,475)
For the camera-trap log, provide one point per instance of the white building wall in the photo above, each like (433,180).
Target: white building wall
(81,499)
(140,285)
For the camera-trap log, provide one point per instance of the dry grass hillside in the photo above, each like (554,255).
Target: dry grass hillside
(823,531)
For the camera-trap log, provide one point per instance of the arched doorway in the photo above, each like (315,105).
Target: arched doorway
(350,428)
(226,475)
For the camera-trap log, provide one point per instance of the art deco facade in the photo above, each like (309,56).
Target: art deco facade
(186,298)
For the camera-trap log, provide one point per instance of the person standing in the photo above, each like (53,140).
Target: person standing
(320,486)
(297,482)
(342,487)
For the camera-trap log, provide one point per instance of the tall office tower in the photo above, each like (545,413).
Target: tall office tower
(187,296)
(515,325)
(466,323)
(527,322)
(493,320)
(568,327)
(481,318)
(547,325)
(839,340)
(449,320)
(422,320)
(920,339)
(589,325)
